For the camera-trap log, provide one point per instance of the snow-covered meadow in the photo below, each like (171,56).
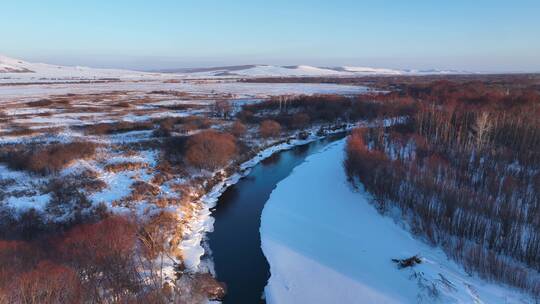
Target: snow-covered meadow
(127,168)
(326,244)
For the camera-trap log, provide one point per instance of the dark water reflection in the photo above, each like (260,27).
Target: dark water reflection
(235,242)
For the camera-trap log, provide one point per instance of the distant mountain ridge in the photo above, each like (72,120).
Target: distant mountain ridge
(22,70)
(10,65)
(261,70)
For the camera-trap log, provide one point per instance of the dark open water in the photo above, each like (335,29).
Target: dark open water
(236,242)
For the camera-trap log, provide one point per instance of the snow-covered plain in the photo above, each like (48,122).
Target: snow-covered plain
(237,89)
(326,244)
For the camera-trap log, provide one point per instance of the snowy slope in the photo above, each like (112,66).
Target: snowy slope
(326,244)
(309,71)
(10,65)
(301,70)
(15,70)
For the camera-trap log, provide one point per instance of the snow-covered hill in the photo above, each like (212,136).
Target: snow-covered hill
(15,70)
(10,65)
(306,70)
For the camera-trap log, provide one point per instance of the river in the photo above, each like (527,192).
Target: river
(236,243)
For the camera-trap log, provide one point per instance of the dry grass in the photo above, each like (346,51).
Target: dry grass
(118,127)
(125,166)
(141,190)
(46,159)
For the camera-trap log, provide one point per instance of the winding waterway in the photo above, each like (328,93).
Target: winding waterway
(236,242)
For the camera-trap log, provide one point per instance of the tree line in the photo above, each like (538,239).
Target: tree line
(465,172)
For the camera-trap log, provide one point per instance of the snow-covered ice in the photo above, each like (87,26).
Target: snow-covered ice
(326,244)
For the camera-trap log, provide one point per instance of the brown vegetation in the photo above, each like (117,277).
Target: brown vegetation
(192,123)
(298,112)
(210,150)
(464,171)
(222,108)
(238,129)
(109,261)
(118,127)
(46,159)
(269,128)
(124,166)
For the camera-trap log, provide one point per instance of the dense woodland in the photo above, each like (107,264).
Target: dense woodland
(464,170)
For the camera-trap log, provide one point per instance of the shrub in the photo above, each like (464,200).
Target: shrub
(66,196)
(104,252)
(124,166)
(40,103)
(118,127)
(269,128)
(222,108)
(238,129)
(166,127)
(192,123)
(142,189)
(300,120)
(210,149)
(48,283)
(49,158)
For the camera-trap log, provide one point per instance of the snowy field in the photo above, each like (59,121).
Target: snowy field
(237,89)
(326,244)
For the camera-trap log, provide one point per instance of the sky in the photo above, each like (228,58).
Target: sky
(473,35)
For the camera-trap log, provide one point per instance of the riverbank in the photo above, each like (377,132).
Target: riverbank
(192,245)
(195,255)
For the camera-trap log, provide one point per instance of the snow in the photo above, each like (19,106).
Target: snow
(26,200)
(25,203)
(312,71)
(238,90)
(118,186)
(303,70)
(119,183)
(372,71)
(192,245)
(21,71)
(326,244)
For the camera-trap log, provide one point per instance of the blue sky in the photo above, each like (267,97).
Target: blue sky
(474,35)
